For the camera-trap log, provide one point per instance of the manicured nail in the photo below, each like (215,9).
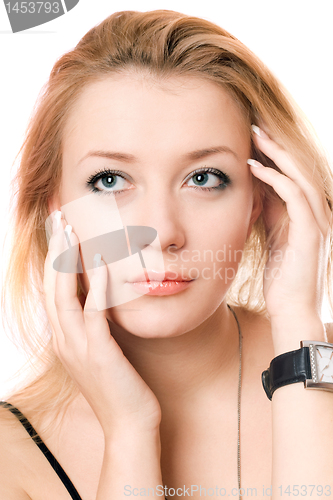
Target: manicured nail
(253,163)
(259,132)
(56,220)
(97,262)
(68,231)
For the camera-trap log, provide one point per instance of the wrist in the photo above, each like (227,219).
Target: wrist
(132,435)
(135,455)
(128,444)
(288,332)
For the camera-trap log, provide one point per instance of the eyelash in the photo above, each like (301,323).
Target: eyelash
(100,174)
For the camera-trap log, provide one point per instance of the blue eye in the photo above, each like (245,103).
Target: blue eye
(105,181)
(203,182)
(205,179)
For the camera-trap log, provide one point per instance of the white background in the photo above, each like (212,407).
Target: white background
(293,37)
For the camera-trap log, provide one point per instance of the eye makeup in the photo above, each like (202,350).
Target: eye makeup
(204,173)
(107,176)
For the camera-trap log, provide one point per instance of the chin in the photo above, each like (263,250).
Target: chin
(138,323)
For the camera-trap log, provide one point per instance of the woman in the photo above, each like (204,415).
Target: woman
(154,388)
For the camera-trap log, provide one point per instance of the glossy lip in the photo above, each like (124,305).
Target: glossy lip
(167,287)
(155,276)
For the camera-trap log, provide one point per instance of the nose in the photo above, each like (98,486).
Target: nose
(159,210)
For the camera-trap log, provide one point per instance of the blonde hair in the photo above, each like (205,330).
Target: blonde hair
(164,44)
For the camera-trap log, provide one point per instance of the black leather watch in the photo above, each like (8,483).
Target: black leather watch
(311,364)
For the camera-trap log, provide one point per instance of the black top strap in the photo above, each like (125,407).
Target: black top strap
(44,449)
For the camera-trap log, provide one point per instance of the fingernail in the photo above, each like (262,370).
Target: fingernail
(56,220)
(68,231)
(97,262)
(253,163)
(259,132)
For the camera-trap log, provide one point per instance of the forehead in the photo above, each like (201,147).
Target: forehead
(174,115)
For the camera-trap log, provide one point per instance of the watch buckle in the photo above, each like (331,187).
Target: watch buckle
(266,383)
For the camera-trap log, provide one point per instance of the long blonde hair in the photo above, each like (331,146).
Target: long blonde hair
(164,44)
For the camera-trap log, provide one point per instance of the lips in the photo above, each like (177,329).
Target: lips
(151,275)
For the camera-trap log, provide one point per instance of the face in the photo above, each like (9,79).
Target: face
(182,171)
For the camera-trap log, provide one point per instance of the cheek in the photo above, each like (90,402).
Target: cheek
(226,222)
(215,256)
(215,244)
(98,226)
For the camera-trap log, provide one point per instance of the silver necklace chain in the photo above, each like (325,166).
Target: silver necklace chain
(238,403)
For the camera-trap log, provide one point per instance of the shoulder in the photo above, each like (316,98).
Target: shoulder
(11,449)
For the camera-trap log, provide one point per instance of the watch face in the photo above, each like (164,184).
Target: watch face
(324,362)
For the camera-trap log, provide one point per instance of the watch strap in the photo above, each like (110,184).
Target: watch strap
(287,368)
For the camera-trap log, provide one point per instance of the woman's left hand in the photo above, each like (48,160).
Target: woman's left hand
(295,271)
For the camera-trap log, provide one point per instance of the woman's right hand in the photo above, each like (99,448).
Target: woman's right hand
(83,342)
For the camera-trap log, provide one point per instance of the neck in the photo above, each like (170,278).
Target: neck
(198,361)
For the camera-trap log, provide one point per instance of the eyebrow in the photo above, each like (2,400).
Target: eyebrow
(129,158)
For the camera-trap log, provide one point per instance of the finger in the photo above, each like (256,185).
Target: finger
(96,324)
(68,306)
(49,279)
(288,166)
(302,220)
